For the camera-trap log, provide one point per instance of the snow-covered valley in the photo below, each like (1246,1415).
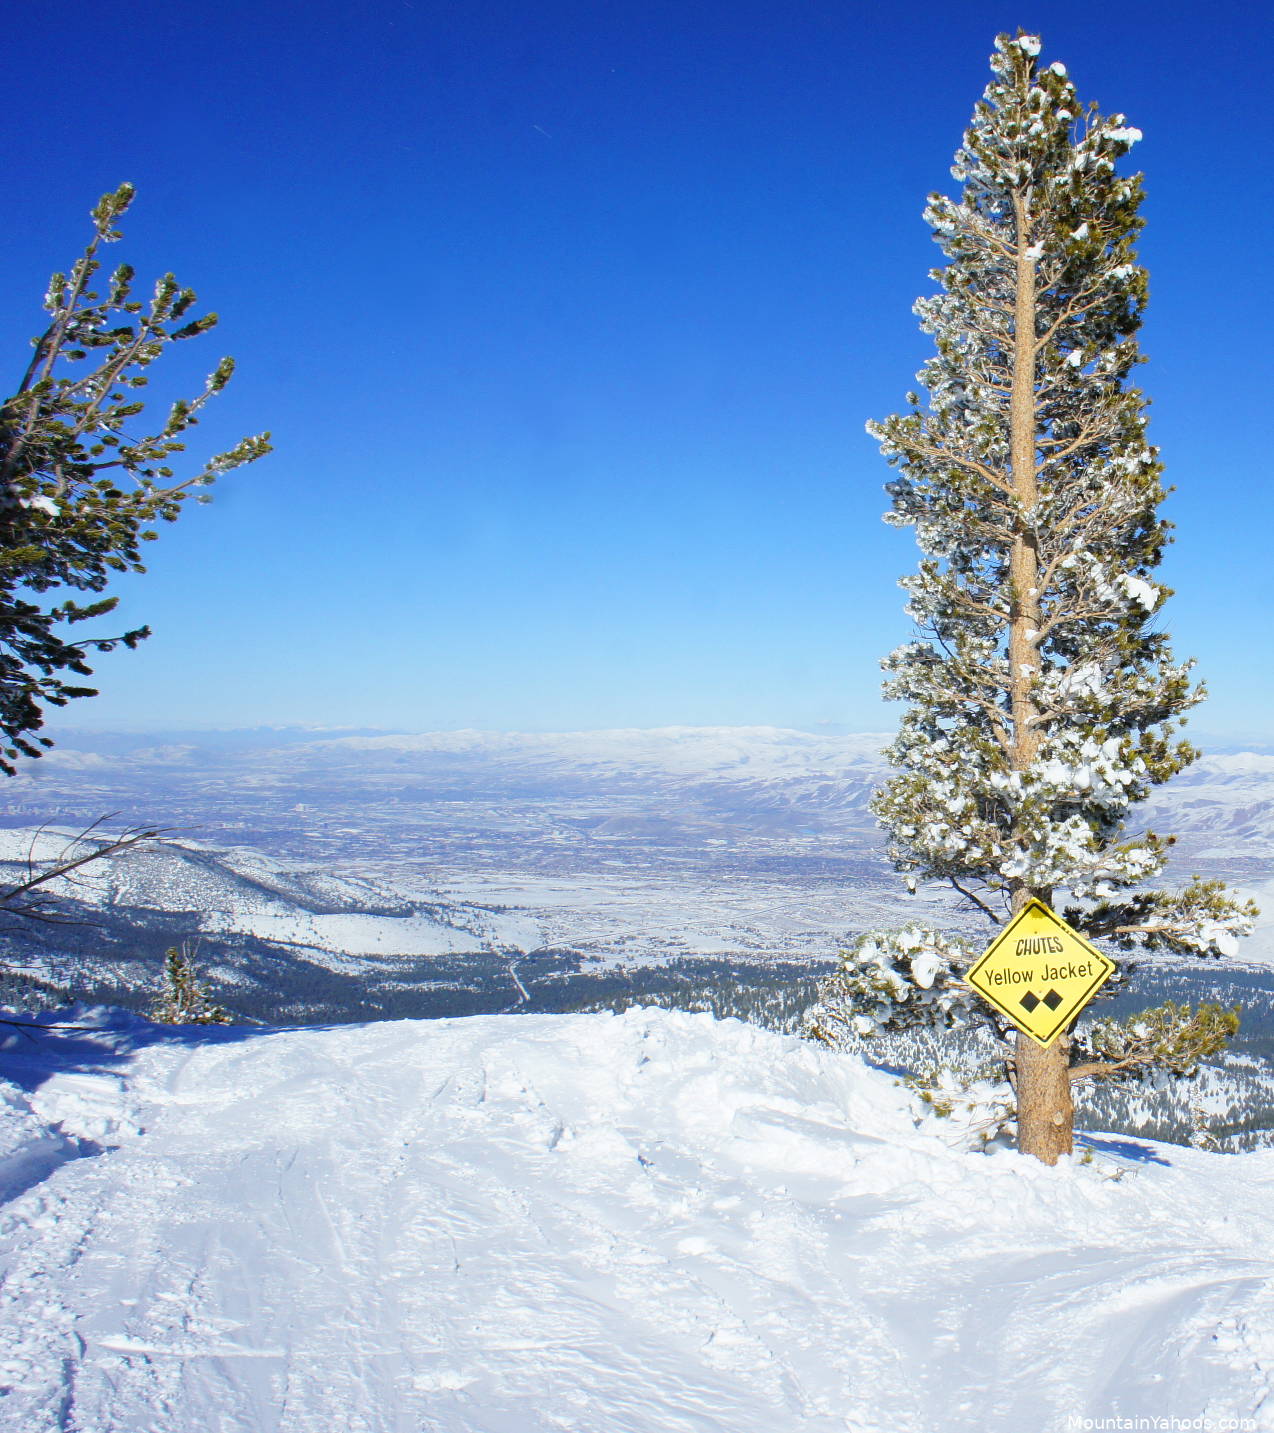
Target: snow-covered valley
(647,1223)
(350,877)
(329,879)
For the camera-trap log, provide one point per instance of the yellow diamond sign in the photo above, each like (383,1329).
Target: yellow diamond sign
(1039,973)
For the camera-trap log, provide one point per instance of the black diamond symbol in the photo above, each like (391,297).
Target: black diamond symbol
(1052,1000)
(1029,1002)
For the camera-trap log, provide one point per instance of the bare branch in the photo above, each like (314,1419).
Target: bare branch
(18,899)
(977,901)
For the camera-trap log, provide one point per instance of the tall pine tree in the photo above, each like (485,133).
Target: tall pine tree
(1042,695)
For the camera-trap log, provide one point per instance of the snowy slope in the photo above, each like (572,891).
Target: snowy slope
(248,892)
(647,1223)
(1228,797)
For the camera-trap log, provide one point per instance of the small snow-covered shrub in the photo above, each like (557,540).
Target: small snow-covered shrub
(895,980)
(976,1114)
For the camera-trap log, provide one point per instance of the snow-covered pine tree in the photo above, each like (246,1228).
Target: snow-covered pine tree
(1042,695)
(184,1000)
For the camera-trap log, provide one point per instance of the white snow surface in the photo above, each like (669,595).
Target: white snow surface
(646,1223)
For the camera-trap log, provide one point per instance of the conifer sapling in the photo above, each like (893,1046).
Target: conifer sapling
(183,998)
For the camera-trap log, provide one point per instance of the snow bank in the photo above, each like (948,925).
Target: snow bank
(648,1223)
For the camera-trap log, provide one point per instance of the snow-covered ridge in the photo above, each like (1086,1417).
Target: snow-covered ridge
(735,763)
(1231,794)
(244,891)
(650,1223)
(740,754)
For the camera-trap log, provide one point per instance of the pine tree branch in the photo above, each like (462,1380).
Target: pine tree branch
(1070,313)
(970,896)
(936,453)
(1097,1069)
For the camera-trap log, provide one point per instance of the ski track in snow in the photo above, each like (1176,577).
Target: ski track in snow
(647,1223)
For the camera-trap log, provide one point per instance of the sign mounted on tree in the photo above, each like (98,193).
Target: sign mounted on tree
(1039,973)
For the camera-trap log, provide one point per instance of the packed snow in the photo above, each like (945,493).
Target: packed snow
(645,1223)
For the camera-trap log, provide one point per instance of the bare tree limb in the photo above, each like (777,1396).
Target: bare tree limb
(18,899)
(977,901)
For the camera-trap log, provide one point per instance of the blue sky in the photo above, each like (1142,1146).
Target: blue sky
(567,318)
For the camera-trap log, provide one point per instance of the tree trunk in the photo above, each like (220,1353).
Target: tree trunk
(1045,1110)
